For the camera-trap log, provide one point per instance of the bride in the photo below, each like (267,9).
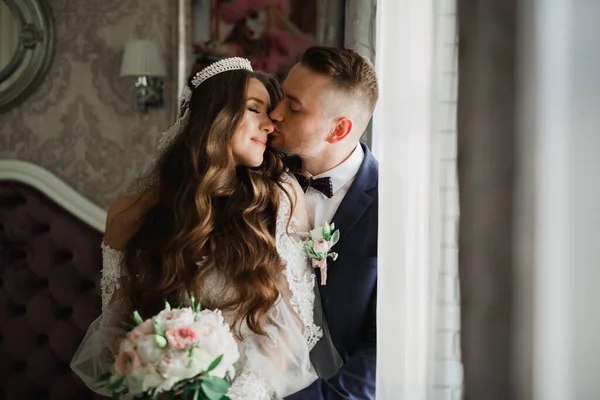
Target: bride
(216,215)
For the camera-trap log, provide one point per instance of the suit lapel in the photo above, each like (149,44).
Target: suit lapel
(356,201)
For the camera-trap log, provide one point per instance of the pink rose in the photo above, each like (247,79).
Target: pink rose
(321,246)
(127,361)
(181,337)
(173,318)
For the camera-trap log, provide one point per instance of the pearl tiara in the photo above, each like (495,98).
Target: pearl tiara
(226,64)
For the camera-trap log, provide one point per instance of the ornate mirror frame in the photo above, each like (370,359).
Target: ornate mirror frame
(36,26)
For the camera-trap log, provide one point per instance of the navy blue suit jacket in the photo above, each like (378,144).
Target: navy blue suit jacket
(350,296)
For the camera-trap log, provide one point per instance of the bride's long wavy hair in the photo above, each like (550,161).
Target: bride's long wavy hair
(207,208)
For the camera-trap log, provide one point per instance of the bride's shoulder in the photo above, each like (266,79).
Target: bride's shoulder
(124,216)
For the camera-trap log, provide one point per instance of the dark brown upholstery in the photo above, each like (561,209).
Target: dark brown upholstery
(50,265)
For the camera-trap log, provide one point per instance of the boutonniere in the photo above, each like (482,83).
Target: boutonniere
(318,247)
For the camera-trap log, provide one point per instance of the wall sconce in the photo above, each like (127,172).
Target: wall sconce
(142,60)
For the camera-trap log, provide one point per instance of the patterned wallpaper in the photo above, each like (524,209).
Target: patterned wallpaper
(82,123)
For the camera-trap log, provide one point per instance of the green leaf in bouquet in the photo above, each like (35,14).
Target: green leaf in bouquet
(127,325)
(333,256)
(167,305)
(187,393)
(215,363)
(171,395)
(158,328)
(214,388)
(114,386)
(161,341)
(332,226)
(137,318)
(104,378)
(195,307)
(109,356)
(335,237)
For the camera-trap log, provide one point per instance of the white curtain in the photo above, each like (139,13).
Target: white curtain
(558,257)
(406,145)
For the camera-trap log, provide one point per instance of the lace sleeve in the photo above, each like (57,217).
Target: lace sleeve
(90,360)
(112,274)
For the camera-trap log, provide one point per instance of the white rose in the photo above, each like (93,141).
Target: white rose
(321,247)
(143,379)
(230,353)
(176,367)
(177,317)
(219,342)
(148,350)
(316,234)
(210,318)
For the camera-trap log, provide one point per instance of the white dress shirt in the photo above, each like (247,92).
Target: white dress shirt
(320,208)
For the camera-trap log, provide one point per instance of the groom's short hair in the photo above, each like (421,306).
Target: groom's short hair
(348,70)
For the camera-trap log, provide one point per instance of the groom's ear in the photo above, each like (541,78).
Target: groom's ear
(341,129)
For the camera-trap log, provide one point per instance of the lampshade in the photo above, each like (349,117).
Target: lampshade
(141,58)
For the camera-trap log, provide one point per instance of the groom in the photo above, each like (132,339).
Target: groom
(329,98)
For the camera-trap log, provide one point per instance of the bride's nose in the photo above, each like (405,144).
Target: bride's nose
(267,127)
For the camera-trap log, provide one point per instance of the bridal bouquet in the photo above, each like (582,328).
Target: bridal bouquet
(179,352)
(318,247)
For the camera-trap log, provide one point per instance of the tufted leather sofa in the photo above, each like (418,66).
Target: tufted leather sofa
(50,264)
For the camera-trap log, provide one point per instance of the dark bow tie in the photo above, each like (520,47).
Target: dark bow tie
(323,185)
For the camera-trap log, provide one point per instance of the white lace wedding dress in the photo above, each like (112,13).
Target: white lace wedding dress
(271,366)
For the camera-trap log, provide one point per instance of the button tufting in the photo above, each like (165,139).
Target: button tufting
(63,366)
(86,285)
(42,339)
(41,393)
(53,272)
(64,256)
(64,312)
(12,201)
(17,255)
(17,311)
(43,283)
(41,228)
